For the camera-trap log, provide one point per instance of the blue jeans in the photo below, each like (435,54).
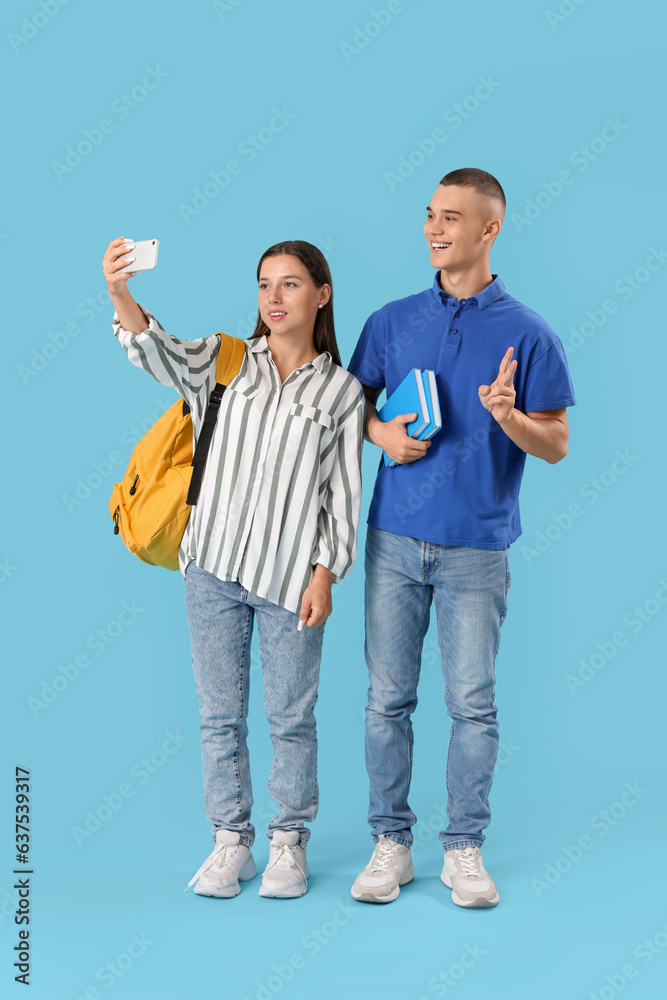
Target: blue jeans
(469,589)
(220,616)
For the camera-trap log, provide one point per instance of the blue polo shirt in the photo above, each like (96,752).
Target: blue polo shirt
(465,490)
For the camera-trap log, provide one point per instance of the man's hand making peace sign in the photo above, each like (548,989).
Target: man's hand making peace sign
(499,397)
(543,433)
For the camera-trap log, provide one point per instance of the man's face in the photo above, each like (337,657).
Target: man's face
(460,227)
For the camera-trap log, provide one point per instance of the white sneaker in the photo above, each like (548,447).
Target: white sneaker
(228,864)
(287,871)
(464,873)
(390,867)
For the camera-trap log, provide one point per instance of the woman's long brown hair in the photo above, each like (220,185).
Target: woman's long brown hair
(314,261)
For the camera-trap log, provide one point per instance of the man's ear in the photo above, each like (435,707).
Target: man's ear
(491,229)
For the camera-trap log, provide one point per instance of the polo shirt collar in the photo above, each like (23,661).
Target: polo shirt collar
(491,293)
(321,362)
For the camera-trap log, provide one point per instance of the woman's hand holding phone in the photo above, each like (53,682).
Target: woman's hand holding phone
(118,255)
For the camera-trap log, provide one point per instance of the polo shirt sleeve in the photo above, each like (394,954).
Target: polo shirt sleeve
(368,360)
(547,384)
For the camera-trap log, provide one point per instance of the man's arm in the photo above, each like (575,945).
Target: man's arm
(543,433)
(391,436)
(372,393)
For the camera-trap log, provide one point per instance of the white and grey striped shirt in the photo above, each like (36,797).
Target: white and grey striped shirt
(282,484)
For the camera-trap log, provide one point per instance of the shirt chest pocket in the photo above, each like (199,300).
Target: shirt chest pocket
(240,385)
(309,414)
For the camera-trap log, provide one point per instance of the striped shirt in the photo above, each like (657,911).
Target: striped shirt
(282,485)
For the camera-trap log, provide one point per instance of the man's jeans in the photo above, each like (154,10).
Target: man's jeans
(220,616)
(469,589)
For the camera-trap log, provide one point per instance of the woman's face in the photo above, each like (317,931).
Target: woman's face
(288,298)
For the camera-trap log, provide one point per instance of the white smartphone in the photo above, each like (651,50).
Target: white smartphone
(145,256)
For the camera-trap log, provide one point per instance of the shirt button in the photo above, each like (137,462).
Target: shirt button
(457,314)
(455,331)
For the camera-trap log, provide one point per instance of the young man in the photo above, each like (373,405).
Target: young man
(441,522)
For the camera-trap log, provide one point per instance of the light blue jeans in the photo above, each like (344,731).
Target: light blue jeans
(220,617)
(469,589)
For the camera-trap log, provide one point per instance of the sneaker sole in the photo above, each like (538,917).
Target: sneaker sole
(366,896)
(226,893)
(475,903)
(284,893)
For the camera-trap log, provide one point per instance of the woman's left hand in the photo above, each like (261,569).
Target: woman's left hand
(316,604)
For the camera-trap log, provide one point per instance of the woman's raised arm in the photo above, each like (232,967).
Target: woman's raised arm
(129,313)
(186,365)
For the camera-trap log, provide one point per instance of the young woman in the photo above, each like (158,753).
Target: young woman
(275,525)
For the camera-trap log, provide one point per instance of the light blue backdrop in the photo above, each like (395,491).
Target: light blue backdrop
(118,113)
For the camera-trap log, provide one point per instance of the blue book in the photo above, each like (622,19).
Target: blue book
(408,397)
(431,390)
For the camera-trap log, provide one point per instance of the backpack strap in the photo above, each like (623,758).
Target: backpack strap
(230,358)
(227,365)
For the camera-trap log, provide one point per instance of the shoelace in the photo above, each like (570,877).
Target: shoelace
(221,856)
(385,856)
(283,853)
(469,861)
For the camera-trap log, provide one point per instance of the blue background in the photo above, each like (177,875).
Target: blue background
(567,752)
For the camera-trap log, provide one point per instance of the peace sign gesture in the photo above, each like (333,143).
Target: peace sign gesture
(500,396)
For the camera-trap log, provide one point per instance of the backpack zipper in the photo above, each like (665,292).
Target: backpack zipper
(133,487)
(116,529)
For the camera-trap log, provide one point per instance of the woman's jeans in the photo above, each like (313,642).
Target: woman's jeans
(220,616)
(469,589)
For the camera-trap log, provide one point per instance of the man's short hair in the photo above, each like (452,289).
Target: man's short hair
(480,180)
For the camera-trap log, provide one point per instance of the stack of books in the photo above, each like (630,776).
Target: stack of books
(418,394)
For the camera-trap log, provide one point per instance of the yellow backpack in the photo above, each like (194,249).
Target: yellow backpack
(150,507)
